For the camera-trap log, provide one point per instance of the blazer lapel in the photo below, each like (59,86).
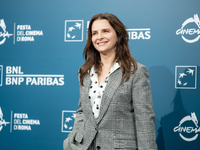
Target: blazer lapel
(113,83)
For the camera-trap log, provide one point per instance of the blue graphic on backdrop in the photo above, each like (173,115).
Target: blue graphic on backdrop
(189,130)
(137,34)
(25,33)
(186,77)
(68,118)
(73,30)
(3,33)
(14,76)
(18,121)
(2,121)
(189,33)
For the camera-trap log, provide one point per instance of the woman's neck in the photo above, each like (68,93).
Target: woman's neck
(107,60)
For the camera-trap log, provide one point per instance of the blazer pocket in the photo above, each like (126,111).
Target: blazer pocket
(79,137)
(125,144)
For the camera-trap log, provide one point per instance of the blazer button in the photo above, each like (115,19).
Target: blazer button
(98,147)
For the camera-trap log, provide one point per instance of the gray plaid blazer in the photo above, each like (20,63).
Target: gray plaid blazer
(126,119)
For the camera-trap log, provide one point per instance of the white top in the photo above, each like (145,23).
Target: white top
(95,92)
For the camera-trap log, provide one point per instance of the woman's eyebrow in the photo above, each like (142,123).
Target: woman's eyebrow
(101,29)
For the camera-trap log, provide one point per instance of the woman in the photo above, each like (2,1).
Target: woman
(115,106)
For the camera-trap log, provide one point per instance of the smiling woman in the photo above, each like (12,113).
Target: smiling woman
(104,37)
(115,106)
(108,22)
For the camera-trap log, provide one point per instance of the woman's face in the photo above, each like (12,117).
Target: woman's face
(104,37)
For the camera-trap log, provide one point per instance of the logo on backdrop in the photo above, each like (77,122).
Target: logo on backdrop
(1,75)
(3,33)
(19,121)
(191,129)
(15,76)
(68,118)
(185,77)
(22,33)
(22,122)
(190,29)
(136,34)
(2,121)
(73,31)
(25,33)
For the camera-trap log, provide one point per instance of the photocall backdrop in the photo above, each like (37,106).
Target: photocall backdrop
(41,45)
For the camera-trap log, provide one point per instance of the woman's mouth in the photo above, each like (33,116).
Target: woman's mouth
(102,43)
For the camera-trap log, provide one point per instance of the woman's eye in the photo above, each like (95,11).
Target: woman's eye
(93,33)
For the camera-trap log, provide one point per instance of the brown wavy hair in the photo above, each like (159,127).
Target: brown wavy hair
(123,55)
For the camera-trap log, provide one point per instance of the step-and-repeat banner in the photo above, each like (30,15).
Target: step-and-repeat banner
(41,45)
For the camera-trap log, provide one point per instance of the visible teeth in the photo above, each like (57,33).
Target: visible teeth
(101,43)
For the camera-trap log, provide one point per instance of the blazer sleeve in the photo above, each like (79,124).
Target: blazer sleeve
(143,110)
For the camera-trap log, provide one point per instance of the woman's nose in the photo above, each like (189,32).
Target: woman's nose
(100,36)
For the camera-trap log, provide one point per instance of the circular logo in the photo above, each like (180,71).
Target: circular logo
(186,129)
(191,31)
